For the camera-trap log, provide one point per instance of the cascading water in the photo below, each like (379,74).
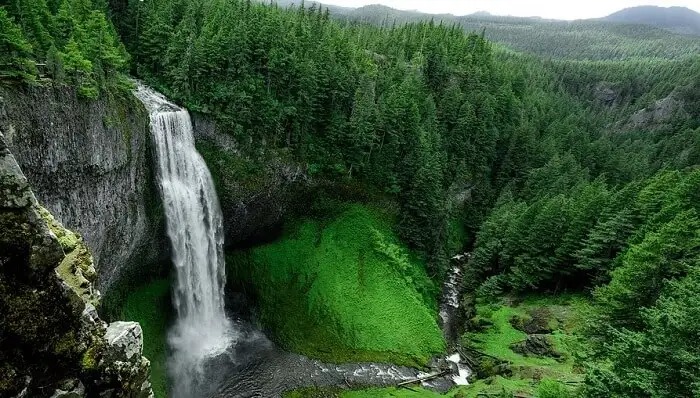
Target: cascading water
(448,314)
(194,226)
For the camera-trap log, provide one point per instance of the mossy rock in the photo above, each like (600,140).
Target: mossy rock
(77,269)
(490,367)
(537,345)
(479,323)
(537,321)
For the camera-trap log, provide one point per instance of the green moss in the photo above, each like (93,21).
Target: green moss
(76,269)
(66,344)
(345,290)
(68,239)
(567,313)
(90,359)
(150,306)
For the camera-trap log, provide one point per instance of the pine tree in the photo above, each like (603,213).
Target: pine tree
(15,51)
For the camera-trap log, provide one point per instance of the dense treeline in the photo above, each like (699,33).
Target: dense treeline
(548,166)
(614,212)
(69,41)
(416,112)
(561,191)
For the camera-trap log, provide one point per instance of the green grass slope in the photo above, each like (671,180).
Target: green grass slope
(563,314)
(150,306)
(344,290)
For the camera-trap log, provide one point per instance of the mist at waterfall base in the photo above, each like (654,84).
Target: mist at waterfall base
(194,226)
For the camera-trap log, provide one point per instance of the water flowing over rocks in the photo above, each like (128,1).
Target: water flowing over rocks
(195,229)
(256,367)
(52,342)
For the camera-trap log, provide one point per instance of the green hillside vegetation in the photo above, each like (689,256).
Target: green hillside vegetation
(344,289)
(570,169)
(150,306)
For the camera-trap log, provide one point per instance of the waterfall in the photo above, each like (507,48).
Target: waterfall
(449,308)
(194,226)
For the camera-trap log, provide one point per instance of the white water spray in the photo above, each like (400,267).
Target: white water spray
(194,226)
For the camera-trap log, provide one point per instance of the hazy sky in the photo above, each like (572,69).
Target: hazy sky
(559,9)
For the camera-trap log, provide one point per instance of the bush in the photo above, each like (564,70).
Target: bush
(552,389)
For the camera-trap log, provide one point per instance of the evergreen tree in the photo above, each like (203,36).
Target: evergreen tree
(15,51)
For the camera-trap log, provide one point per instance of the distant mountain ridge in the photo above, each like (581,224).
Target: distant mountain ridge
(680,20)
(588,39)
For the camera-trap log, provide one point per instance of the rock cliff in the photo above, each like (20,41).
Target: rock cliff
(89,164)
(255,196)
(52,342)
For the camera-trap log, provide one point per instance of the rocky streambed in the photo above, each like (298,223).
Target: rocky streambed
(254,366)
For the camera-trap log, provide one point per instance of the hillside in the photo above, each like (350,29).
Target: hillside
(680,20)
(592,40)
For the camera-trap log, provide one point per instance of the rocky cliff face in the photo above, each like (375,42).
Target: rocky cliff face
(89,164)
(254,202)
(658,115)
(52,342)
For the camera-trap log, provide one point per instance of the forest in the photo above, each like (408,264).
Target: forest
(573,174)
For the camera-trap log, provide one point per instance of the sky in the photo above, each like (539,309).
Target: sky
(555,9)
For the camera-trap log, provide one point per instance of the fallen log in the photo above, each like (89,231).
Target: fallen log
(433,376)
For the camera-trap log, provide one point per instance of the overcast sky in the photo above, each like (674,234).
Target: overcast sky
(559,9)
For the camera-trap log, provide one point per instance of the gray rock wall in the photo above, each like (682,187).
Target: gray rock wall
(89,164)
(53,343)
(254,205)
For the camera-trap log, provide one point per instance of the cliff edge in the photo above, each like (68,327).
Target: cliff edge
(52,341)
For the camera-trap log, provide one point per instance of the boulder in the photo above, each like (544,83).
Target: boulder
(659,114)
(537,321)
(539,345)
(52,337)
(124,342)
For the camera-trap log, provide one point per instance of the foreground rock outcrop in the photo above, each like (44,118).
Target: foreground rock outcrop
(52,341)
(89,163)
